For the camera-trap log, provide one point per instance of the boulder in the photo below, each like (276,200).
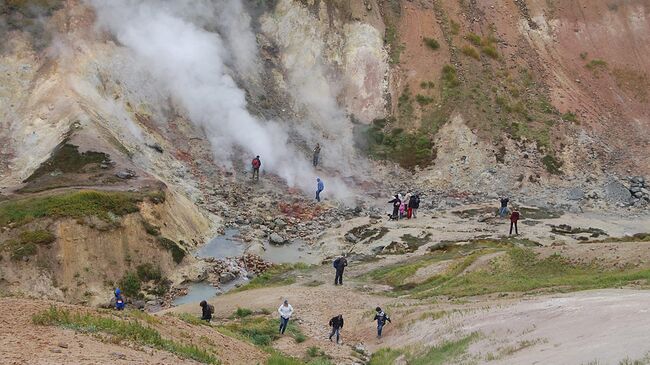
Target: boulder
(276,239)
(351,238)
(126,174)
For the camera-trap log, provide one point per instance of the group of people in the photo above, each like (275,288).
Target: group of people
(405,206)
(256,164)
(336,323)
(514,213)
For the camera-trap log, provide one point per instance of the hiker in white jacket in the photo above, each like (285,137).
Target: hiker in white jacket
(285,310)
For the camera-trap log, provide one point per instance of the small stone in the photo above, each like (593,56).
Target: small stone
(63,345)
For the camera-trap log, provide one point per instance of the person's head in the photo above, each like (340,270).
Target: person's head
(317,144)
(257,157)
(318,179)
(117,292)
(286,302)
(378,309)
(203,303)
(340,316)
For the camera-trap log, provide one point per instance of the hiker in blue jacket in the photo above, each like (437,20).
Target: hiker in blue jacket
(119,300)
(320,187)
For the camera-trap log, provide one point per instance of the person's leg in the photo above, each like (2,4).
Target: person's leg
(338,335)
(415,210)
(379,328)
(341,276)
(285,324)
(336,277)
(516,230)
(332,333)
(511,223)
(281,324)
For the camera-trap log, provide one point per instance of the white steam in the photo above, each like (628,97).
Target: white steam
(187,47)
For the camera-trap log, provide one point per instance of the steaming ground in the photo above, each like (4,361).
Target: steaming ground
(174,48)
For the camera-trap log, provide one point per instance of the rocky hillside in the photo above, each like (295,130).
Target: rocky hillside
(542,99)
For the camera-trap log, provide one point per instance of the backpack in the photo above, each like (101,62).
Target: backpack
(336,263)
(256,163)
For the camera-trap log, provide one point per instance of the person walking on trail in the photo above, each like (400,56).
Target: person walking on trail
(514,217)
(285,310)
(119,300)
(337,324)
(316,154)
(339,264)
(407,202)
(319,188)
(256,164)
(504,206)
(207,310)
(414,204)
(396,203)
(381,317)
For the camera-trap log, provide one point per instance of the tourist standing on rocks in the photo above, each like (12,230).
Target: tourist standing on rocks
(119,300)
(504,206)
(336,323)
(319,187)
(396,203)
(339,264)
(402,209)
(206,311)
(514,217)
(381,319)
(316,154)
(285,310)
(414,204)
(256,163)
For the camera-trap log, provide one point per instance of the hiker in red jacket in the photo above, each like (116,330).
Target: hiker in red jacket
(514,217)
(256,163)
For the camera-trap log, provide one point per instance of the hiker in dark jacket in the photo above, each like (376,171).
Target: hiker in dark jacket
(415,204)
(504,206)
(336,323)
(316,154)
(339,264)
(514,217)
(206,311)
(396,204)
(381,319)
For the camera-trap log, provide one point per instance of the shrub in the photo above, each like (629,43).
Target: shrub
(570,117)
(596,64)
(149,272)
(490,51)
(552,164)
(470,52)
(178,253)
(423,100)
(243,312)
(455,27)
(474,39)
(150,228)
(130,285)
(431,43)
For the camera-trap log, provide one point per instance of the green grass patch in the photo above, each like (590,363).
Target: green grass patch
(596,65)
(149,272)
(391,38)
(431,43)
(77,204)
(27,243)
(121,330)
(66,158)
(490,51)
(474,39)
(242,312)
(570,117)
(423,99)
(277,275)
(520,270)
(189,318)
(446,353)
(261,330)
